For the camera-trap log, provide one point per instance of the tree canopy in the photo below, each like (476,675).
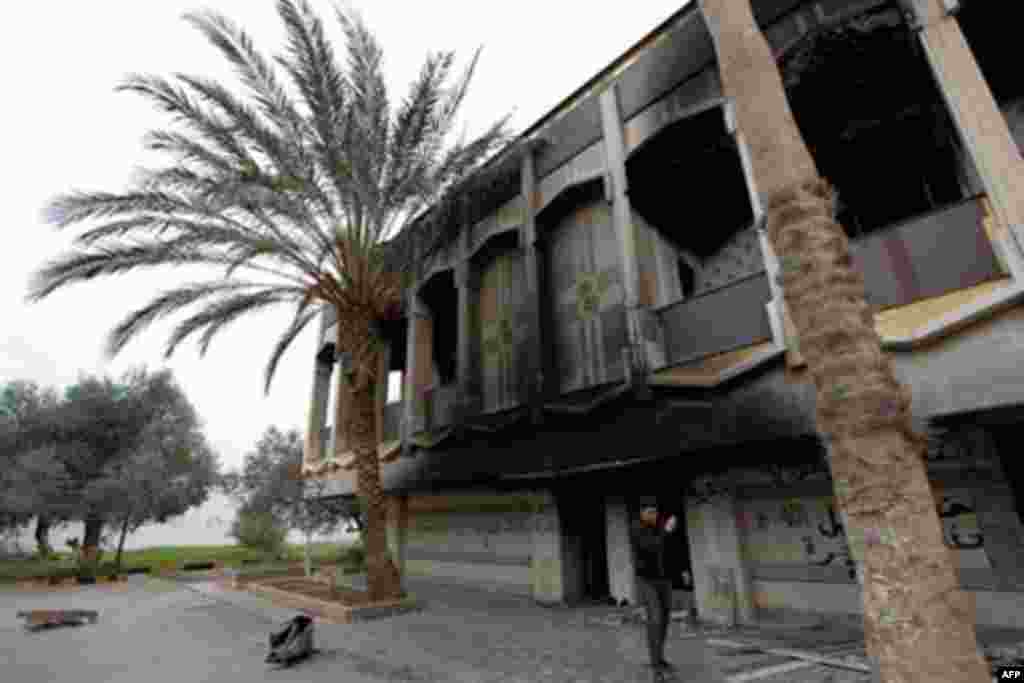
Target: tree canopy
(131,451)
(270,480)
(294,192)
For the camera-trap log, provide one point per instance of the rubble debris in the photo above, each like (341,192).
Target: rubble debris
(36,620)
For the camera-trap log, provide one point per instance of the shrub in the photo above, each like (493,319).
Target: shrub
(197,566)
(259,530)
(354,556)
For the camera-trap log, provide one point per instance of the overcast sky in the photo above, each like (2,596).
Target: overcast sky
(64,128)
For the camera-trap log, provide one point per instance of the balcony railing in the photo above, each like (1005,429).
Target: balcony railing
(721,320)
(927,256)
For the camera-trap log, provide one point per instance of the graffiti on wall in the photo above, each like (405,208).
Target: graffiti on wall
(834,530)
(812,530)
(722,588)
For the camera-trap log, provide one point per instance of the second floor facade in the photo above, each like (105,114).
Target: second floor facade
(625,239)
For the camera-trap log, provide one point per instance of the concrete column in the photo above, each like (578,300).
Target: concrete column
(721,580)
(621,574)
(384,368)
(398,530)
(981,124)
(339,433)
(317,411)
(783,330)
(996,510)
(532,257)
(625,230)
(419,364)
(467,375)
(546,564)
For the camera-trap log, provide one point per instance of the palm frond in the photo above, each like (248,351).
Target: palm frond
(166,304)
(215,317)
(176,101)
(304,313)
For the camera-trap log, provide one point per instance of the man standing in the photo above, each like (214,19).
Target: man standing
(655,586)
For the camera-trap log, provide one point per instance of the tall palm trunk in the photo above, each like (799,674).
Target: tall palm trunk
(360,421)
(919,624)
(43,526)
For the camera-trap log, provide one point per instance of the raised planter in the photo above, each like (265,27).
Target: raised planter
(50,582)
(335,611)
(238,578)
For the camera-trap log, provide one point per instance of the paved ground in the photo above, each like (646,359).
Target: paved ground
(155,631)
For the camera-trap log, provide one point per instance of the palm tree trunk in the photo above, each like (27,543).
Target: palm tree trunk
(43,525)
(120,543)
(919,624)
(360,423)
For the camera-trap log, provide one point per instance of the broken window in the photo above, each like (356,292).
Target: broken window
(396,332)
(441,297)
(687,277)
(687,182)
(867,105)
(989,32)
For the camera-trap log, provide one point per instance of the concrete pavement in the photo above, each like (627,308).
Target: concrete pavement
(155,631)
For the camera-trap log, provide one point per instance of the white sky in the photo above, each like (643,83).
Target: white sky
(64,128)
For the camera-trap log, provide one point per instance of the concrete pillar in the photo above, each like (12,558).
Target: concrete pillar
(621,574)
(398,530)
(419,364)
(469,390)
(546,564)
(343,398)
(783,330)
(721,581)
(317,411)
(981,124)
(534,268)
(627,232)
(384,368)
(996,510)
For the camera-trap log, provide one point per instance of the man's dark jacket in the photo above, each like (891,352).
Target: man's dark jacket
(649,551)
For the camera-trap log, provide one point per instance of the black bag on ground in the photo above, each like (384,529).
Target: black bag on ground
(292,642)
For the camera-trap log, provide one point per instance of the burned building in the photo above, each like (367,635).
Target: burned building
(608,324)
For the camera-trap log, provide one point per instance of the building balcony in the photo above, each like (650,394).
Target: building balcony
(927,256)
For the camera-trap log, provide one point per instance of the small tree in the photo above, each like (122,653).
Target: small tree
(271,480)
(27,428)
(258,529)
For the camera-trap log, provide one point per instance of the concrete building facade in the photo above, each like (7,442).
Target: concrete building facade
(607,324)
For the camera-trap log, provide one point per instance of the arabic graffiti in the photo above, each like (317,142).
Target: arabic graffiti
(833,529)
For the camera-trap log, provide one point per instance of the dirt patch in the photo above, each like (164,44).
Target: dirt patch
(311,588)
(63,586)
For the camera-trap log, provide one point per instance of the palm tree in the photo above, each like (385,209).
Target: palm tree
(918,622)
(297,192)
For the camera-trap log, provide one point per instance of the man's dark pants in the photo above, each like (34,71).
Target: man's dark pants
(657,598)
